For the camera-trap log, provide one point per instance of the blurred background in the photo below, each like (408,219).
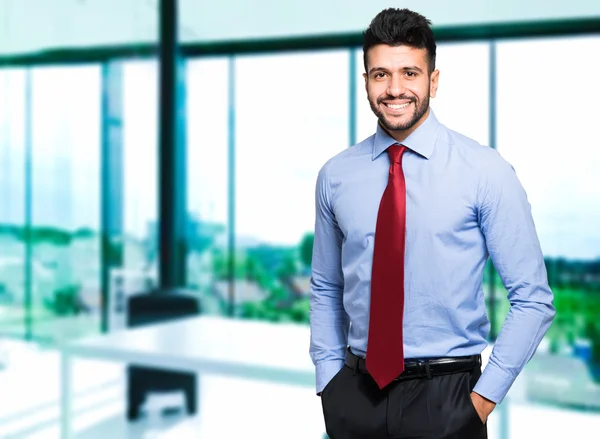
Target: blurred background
(157,166)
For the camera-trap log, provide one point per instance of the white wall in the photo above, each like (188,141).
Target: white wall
(31,25)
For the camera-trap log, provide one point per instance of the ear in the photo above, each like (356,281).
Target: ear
(366,81)
(433,83)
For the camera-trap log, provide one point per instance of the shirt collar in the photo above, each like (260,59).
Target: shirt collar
(421,140)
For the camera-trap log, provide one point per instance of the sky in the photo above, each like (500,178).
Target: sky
(291,115)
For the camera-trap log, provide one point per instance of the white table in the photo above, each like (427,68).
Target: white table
(240,348)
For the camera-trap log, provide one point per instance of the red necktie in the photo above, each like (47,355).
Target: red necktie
(385,348)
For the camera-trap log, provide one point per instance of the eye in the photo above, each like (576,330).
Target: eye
(379,75)
(411,74)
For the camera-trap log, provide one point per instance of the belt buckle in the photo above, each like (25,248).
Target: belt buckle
(424,367)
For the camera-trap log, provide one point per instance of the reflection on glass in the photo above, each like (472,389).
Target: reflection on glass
(12,201)
(207,161)
(547,129)
(291,116)
(65,120)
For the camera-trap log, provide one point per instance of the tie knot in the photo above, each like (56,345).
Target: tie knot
(395,152)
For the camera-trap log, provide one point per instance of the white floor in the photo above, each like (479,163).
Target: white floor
(229,408)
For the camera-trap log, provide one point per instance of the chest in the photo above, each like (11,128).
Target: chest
(438,203)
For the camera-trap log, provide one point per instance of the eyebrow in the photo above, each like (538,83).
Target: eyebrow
(405,69)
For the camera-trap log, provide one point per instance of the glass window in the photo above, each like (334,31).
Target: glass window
(208,183)
(12,201)
(547,129)
(140,143)
(463,97)
(291,116)
(65,120)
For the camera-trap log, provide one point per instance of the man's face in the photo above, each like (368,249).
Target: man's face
(399,87)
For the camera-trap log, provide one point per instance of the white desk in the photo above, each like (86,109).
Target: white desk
(241,348)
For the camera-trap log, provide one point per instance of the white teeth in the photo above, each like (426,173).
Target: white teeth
(397,107)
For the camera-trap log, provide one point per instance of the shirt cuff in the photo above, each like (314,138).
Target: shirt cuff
(494,383)
(326,370)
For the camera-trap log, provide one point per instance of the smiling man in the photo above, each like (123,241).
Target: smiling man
(405,223)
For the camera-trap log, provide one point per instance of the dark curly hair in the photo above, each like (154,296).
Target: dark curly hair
(399,27)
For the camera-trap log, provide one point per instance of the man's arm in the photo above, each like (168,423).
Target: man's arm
(328,320)
(512,241)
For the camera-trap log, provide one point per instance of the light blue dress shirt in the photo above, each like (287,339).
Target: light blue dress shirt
(464,204)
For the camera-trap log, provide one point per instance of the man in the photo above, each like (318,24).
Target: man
(405,222)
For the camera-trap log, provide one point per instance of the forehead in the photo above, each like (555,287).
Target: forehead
(394,57)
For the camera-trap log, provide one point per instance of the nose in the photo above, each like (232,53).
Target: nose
(395,87)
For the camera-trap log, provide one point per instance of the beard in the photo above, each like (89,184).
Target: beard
(419,110)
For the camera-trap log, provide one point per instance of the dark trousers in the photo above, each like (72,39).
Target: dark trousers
(437,408)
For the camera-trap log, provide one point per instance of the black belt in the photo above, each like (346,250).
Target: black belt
(421,368)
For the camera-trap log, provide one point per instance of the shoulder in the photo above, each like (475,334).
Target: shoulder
(343,162)
(484,160)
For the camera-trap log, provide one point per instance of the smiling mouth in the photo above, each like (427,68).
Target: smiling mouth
(397,106)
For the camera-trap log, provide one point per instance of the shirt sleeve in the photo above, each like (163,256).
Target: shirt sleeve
(506,221)
(329,322)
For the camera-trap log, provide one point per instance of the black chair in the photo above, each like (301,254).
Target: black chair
(150,308)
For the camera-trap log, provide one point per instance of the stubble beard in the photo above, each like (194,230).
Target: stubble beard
(418,112)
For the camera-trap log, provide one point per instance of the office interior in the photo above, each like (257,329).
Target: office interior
(157,170)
